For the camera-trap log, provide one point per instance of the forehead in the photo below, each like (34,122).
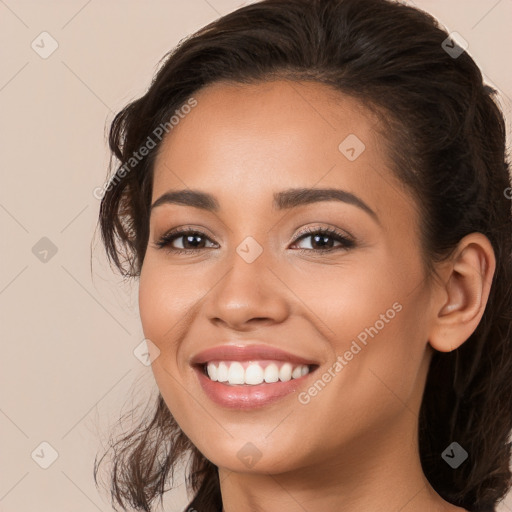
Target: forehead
(260,138)
(307,118)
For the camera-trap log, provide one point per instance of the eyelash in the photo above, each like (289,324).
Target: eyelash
(346,243)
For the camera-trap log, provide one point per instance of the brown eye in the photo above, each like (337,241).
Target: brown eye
(323,240)
(189,240)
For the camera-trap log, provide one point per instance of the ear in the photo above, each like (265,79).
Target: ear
(462,292)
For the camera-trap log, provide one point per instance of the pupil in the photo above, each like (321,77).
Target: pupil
(321,237)
(191,237)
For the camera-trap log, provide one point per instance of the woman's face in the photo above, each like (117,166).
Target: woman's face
(264,292)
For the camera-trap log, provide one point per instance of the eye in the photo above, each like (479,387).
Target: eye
(189,239)
(324,240)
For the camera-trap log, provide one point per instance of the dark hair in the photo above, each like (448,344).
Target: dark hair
(446,138)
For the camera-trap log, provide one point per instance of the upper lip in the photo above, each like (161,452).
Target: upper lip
(252,352)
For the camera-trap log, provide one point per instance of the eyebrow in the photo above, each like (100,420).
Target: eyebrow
(284,200)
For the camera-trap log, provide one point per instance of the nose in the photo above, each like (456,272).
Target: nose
(248,295)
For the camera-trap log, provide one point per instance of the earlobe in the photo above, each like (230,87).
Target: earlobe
(463,293)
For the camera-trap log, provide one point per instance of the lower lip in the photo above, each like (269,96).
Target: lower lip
(247,396)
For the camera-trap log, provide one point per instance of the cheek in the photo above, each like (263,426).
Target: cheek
(164,300)
(349,297)
(380,369)
(153,303)
(372,314)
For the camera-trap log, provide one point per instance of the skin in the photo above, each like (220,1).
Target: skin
(354,446)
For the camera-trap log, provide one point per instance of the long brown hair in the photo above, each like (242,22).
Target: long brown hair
(446,136)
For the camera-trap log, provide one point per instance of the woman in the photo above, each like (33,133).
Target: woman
(312,195)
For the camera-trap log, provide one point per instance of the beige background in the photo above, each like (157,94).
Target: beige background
(68,334)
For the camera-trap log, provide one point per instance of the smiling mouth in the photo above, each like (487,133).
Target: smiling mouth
(253,373)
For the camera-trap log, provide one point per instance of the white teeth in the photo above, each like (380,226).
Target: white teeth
(297,372)
(233,373)
(212,371)
(236,374)
(222,372)
(271,373)
(254,374)
(285,373)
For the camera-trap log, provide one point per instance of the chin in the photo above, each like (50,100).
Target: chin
(252,454)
